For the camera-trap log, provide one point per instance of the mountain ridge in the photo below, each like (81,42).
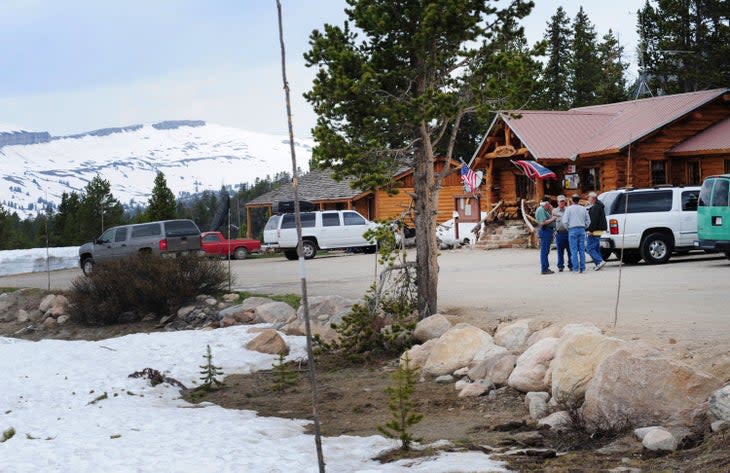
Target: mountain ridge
(194,156)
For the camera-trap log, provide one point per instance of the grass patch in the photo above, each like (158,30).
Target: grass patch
(293,300)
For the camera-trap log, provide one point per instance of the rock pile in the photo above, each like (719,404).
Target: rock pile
(576,375)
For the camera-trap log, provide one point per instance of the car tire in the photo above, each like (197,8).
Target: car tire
(606,254)
(727,254)
(291,255)
(629,256)
(370,249)
(87,265)
(656,248)
(240,253)
(309,249)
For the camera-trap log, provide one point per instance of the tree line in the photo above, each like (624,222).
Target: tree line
(82,216)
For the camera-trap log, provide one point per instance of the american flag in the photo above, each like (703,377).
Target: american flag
(469,177)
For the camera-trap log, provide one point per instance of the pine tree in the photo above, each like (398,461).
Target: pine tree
(556,75)
(612,85)
(400,404)
(98,209)
(686,44)
(284,376)
(210,373)
(386,90)
(162,205)
(585,66)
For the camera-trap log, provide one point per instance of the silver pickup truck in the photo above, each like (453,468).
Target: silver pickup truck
(163,237)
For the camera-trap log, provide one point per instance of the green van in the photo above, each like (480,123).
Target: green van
(713,214)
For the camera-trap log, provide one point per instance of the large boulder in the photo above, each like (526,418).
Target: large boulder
(46,302)
(575,362)
(323,312)
(583,327)
(502,369)
(431,327)
(58,306)
(512,335)
(7,303)
(547,332)
(277,313)
(720,404)
(457,348)
(251,303)
(485,360)
(532,365)
(417,354)
(268,341)
(638,385)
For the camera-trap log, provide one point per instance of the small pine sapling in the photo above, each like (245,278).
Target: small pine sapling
(284,376)
(210,373)
(400,404)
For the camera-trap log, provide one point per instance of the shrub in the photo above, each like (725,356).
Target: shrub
(126,290)
(400,404)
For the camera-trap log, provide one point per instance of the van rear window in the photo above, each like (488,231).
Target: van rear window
(146,229)
(181,228)
(289,222)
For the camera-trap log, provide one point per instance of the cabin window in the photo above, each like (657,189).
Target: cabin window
(693,173)
(658,172)
(591,179)
(727,166)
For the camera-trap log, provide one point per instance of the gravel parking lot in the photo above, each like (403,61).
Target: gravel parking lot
(686,300)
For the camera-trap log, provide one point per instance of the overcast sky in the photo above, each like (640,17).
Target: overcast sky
(77,65)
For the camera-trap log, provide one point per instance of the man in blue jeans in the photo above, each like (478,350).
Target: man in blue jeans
(596,228)
(546,223)
(577,220)
(561,235)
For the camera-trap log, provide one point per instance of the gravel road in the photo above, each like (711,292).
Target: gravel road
(686,300)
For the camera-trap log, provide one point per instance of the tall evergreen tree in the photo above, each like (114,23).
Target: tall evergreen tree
(161,205)
(66,221)
(386,94)
(685,44)
(555,83)
(612,85)
(585,66)
(98,209)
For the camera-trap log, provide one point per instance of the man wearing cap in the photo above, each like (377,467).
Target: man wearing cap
(546,223)
(594,231)
(577,220)
(561,234)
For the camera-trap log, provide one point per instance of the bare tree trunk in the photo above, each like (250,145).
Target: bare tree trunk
(426,244)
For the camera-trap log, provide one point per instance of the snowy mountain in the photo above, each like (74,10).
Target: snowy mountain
(194,155)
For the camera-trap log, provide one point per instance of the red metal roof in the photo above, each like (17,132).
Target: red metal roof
(598,128)
(715,138)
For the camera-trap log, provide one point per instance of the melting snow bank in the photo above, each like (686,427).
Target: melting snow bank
(34,260)
(74,408)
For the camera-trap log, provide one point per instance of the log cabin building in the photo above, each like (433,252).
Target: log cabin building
(320,188)
(672,139)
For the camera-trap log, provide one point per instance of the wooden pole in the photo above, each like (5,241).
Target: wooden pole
(302,269)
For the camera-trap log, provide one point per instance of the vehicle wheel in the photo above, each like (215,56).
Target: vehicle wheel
(87,266)
(370,249)
(727,254)
(309,249)
(240,253)
(656,249)
(291,255)
(606,254)
(630,256)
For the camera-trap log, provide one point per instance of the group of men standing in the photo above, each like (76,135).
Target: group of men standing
(577,230)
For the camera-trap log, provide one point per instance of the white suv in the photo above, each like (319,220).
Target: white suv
(650,224)
(325,230)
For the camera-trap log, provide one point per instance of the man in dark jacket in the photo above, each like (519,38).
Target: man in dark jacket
(595,229)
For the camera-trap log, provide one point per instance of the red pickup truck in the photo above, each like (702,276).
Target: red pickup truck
(215,244)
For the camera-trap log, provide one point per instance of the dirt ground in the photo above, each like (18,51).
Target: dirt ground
(353,401)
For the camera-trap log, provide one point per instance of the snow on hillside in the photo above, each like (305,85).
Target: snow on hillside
(193,158)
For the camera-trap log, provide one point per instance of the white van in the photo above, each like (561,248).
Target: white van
(321,230)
